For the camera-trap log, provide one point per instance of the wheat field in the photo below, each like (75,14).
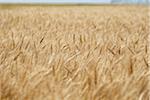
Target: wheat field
(74,53)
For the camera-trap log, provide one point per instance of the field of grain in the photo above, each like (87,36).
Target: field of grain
(74,53)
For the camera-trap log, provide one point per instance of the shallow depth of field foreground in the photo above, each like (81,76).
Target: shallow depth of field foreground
(74,53)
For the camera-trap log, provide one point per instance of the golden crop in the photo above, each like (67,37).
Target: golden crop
(74,53)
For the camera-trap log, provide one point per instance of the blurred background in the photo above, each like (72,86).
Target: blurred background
(79,1)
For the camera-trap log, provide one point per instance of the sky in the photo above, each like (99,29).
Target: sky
(58,1)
